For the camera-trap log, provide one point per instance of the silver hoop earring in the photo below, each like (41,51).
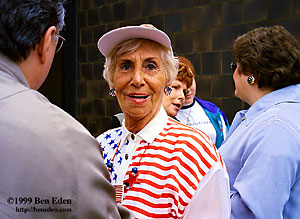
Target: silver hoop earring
(251,79)
(167,91)
(112,92)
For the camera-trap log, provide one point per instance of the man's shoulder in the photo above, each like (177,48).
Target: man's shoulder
(33,111)
(10,87)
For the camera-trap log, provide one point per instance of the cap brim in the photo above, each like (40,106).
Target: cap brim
(112,38)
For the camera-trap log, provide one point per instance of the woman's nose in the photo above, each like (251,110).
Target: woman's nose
(181,95)
(138,78)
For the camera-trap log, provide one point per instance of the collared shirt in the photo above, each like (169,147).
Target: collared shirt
(262,155)
(180,171)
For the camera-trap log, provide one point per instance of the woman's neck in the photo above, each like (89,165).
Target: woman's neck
(135,124)
(260,92)
(189,104)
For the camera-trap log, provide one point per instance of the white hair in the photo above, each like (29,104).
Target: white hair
(170,63)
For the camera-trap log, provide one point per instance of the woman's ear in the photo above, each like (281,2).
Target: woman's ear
(111,84)
(46,45)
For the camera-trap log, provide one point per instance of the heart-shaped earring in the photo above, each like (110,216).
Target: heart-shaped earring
(167,91)
(112,92)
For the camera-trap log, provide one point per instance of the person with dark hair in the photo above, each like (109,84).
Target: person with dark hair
(202,114)
(262,149)
(51,166)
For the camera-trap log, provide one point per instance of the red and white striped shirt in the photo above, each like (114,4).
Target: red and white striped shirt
(174,163)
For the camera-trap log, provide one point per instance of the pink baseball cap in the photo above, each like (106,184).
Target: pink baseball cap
(145,31)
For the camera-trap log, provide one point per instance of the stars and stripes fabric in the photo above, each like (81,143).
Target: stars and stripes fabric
(171,166)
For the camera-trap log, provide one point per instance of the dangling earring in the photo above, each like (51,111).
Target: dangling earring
(112,92)
(167,91)
(251,79)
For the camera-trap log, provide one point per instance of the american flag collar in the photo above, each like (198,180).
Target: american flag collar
(118,147)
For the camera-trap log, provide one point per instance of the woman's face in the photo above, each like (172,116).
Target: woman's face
(175,100)
(139,81)
(241,84)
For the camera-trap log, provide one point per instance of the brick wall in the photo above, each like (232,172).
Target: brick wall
(201,30)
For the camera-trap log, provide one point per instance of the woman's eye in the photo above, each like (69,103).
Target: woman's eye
(175,87)
(125,66)
(151,66)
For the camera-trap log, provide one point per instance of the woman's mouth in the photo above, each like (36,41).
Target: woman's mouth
(138,97)
(177,105)
(187,96)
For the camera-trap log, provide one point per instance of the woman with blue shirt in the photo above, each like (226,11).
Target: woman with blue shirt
(262,148)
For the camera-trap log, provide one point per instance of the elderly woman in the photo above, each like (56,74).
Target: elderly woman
(159,167)
(171,102)
(262,150)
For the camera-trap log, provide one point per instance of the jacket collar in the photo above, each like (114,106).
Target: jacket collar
(12,69)
(284,95)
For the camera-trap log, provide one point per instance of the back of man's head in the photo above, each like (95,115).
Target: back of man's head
(24,22)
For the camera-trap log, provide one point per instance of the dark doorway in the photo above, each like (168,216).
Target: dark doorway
(60,85)
(53,87)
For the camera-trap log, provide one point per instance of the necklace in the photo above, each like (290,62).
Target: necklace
(188,122)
